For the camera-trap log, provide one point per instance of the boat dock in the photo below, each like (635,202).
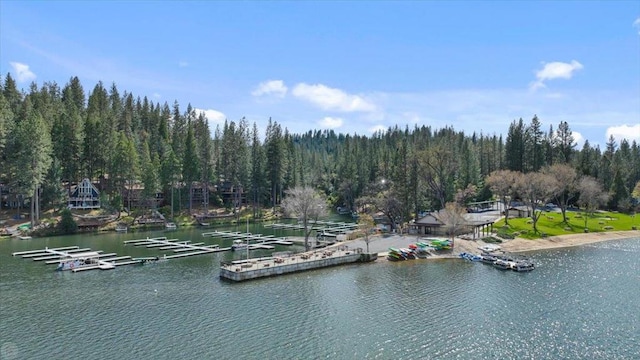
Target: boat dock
(261,241)
(74,254)
(179,248)
(242,270)
(329,228)
(187,248)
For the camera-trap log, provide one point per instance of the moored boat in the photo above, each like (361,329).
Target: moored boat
(238,245)
(522,266)
(502,264)
(121,228)
(78,261)
(170,226)
(488,258)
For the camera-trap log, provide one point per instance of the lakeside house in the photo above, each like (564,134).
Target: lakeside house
(84,196)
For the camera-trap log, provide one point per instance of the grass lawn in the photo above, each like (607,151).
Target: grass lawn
(550,224)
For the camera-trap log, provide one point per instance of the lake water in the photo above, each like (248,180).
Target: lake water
(580,303)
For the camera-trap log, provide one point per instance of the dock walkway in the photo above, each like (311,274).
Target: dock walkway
(249,269)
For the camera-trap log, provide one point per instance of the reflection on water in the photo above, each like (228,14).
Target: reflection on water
(578,303)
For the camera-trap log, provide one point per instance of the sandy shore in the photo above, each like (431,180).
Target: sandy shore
(381,244)
(520,245)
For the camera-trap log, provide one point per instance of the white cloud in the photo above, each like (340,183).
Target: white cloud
(329,122)
(378,128)
(183,63)
(636,24)
(22,72)
(332,99)
(624,132)
(270,87)
(214,116)
(555,70)
(578,139)
(157,96)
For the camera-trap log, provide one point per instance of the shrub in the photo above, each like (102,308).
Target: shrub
(608,227)
(505,235)
(67,224)
(491,239)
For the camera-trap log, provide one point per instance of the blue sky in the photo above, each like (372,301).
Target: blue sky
(349,66)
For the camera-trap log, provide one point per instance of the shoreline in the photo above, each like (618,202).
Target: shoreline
(562,241)
(381,244)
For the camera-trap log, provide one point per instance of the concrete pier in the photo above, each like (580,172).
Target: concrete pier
(279,265)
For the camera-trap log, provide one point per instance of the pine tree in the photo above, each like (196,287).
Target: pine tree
(32,155)
(565,143)
(190,165)
(514,146)
(534,146)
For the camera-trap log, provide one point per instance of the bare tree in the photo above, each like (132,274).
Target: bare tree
(566,186)
(535,189)
(592,195)
(503,184)
(453,218)
(366,224)
(306,205)
(464,195)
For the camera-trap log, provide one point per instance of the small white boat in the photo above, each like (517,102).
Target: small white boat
(170,226)
(121,228)
(24,237)
(238,245)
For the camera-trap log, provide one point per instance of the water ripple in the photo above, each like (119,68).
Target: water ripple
(579,303)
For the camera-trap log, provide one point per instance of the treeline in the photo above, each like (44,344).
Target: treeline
(52,137)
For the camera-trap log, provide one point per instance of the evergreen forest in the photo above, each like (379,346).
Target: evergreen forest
(51,138)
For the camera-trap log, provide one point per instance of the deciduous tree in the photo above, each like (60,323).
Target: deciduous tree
(305,204)
(503,183)
(592,195)
(566,186)
(535,189)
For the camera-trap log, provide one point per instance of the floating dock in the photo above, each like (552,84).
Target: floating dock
(260,241)
(76,259)
(180,248)
(326,227)
(242,270)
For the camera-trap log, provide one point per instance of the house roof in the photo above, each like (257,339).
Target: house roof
(429,220)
